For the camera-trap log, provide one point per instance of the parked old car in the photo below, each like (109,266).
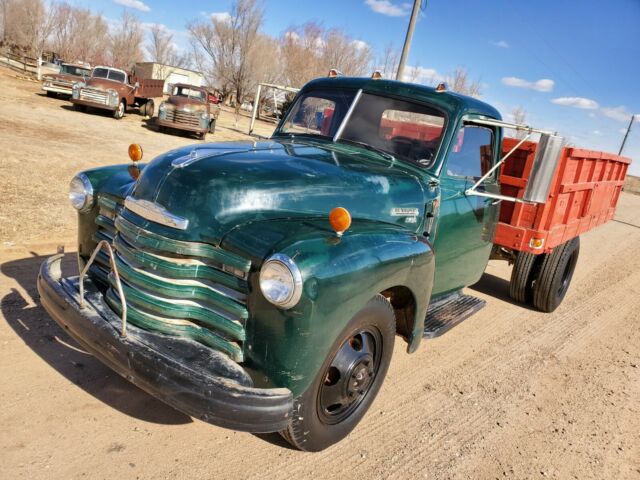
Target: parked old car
(260,286)
(62,83)
(116,90)
(190,109)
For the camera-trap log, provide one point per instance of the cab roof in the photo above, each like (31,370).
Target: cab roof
(448,100)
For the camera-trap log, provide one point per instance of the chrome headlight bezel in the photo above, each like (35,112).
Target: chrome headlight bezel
(81,193)
(291,280)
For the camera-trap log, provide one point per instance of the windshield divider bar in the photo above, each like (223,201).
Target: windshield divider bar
(342,126)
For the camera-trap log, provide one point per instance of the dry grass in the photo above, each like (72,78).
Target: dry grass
(43,143)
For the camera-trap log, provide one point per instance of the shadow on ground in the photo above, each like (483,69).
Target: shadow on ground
(498,288)
(40,333)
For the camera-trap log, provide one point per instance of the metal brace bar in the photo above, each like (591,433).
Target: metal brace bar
(114,269)
(513,126)
(492,169)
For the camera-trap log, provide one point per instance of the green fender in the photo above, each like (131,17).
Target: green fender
(286,348)
(113,182)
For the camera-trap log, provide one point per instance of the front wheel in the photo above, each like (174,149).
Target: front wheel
(119,112)
(348,381)
(212,126)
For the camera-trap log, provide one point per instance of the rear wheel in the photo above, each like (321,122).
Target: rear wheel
(119,112)
(555,276)
(348,381)
(148,108)
(520,286)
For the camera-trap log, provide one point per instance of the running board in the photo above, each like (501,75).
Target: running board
(446,313)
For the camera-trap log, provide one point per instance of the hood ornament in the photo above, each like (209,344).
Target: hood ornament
(155,213)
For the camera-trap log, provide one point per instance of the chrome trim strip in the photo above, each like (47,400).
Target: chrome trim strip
(155,213)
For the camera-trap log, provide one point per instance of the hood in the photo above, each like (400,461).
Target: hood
(182,102)
(224,185)
(63,77)
(105,84)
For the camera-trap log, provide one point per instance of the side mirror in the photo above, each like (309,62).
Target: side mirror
(544,168)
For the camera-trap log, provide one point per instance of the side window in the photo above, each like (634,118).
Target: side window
(472,153)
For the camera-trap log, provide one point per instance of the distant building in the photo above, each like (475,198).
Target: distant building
(171,75)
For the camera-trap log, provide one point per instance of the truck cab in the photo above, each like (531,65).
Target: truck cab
(261,285)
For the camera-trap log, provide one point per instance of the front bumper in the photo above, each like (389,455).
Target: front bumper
(58,89)
(87,103)
(192,378)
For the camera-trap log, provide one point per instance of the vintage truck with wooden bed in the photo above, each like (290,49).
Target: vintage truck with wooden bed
(260,286)
(116,90)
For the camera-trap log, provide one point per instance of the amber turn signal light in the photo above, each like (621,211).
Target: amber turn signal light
(340,220)
(135,152)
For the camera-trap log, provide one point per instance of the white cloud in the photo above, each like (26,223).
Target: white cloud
(360,45)
(623,131)
(620,113)
(542,85)
(221,16)
(501,44)
(291,35)
(137,4)
(385,7)
(597,132)
(428,76)
(577,102)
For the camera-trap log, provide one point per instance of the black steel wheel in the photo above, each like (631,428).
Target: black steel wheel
(348,380)
(553,280)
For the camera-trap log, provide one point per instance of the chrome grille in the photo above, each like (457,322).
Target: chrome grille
(191,119)
(175,287)
(94,96)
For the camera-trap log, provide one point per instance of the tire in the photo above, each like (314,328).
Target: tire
(148,108)
(522,275)
(348,381)
(51,94)
(554,278)
(119,112)
(79,108)
(202,135)
(212,126)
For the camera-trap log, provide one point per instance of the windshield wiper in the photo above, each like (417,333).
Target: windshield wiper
(381,152)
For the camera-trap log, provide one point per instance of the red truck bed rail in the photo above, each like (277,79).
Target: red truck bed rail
(583,194)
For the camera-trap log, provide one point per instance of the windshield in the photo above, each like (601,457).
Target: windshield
(407,130)
(109,74)
(74,70)
(190,93)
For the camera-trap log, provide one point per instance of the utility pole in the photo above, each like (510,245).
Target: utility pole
(624,140)
(408,38)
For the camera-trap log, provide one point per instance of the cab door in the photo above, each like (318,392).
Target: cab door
(466,224)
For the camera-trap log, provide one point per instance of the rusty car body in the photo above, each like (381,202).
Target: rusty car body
(62,83)
(116,90)
(189,108)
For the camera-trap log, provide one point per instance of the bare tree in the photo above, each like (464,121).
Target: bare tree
(387,62)
(459,81)
(78,35)
(309,51)
(126,41)
(162,50)
(225,49)
(519,116)
(29,23)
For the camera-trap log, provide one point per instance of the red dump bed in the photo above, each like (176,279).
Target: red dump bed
(584,193)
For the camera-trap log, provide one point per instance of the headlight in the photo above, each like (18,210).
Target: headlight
(204,116)
(162,107)
(281,281)
(81,193)
(113,97)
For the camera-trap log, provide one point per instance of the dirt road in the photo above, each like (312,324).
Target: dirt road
(510,393)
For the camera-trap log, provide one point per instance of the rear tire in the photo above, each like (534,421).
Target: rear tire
(555,275)
(521,284)
(148,108)
(348,381)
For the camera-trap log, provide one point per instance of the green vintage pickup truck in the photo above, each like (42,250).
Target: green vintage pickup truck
(260,286)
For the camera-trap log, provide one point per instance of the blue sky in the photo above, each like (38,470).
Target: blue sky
(574,66)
